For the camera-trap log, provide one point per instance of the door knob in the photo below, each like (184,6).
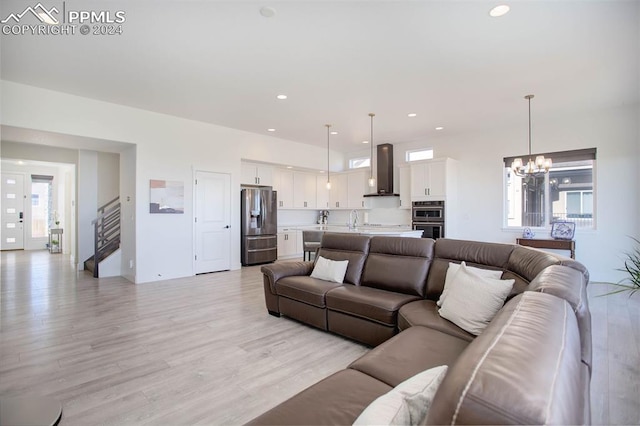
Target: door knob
(227,227)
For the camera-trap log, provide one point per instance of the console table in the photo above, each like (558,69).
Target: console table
(55,240)
(547,243)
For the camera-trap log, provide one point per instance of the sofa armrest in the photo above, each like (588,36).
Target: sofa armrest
(569,283)
(279,270)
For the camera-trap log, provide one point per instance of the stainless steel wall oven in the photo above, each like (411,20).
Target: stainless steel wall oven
(428,217)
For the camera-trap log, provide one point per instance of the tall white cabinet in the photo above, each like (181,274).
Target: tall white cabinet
(436,180)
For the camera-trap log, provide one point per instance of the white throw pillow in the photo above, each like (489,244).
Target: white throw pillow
(330,270)
(454,267)
(406,404)
(473,300)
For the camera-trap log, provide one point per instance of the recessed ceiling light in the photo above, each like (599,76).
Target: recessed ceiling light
(321,171)
(289,167)
(439,128)
(268,12)
(365,141)
(281,96)
(334,133)
(411,114)
(271,130)
(498,11)
(21,163)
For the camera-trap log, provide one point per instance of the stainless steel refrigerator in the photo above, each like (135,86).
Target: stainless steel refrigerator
(259,226)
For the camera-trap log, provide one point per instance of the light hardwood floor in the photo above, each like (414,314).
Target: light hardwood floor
(203,350)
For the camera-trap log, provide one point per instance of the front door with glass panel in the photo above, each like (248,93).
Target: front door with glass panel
(12,233)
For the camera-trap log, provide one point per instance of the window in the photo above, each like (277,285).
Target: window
(419,154)
(566,193)
(41,205)
(356,163)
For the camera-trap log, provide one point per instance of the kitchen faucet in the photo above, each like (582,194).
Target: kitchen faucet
(353,219)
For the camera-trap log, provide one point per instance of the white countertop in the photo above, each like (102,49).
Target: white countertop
(389,230)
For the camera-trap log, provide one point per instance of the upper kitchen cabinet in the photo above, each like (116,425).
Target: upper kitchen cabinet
(283,183)
(357,186)
(304,190)
(338,194)
(256,174)
(322,193)
(404,175)
(433,179)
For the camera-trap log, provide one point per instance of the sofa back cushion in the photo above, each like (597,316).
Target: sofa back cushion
(528,263)
(473,253)
(524,368)
(399,264)
(340,246)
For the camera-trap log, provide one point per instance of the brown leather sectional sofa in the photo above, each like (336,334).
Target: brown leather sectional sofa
(531,365)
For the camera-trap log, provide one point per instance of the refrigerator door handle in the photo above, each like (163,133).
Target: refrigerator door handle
(263,208)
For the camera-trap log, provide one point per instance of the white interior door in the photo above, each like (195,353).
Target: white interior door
(212,222)
(12,233)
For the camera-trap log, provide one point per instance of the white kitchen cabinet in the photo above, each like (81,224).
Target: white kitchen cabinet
(432,179)
(283,183)
(256,174)
(322,193)
(404,174)
(304,190)
(339,192)
(288,243)
(357,186)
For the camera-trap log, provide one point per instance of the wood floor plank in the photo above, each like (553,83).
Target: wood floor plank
(203,350)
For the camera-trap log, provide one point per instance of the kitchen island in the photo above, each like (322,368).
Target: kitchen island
(291,244)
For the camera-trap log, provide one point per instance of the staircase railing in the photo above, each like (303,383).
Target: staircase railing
(106,232)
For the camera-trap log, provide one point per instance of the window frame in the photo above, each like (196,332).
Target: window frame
(409,152)
(559,159)
(363,159)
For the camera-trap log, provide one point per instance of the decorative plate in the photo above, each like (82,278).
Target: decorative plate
(563,230)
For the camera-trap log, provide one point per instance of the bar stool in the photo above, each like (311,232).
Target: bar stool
(310,242)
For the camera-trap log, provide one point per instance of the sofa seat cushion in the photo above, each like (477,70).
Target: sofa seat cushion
(425,313)
(337,400)
(369,303)
(408,353)
(305,289)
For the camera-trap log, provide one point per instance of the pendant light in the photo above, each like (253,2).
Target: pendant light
(372,181)
(328,134)
(533,168)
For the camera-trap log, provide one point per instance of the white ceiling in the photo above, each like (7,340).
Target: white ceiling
(447,61)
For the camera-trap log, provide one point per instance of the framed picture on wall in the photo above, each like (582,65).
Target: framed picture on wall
(166,197)
(563,230)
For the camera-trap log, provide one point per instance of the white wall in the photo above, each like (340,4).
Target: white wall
(128,213)
(108,177)
(168,148)
(87,204)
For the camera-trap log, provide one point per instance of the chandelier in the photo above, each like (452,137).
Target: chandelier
(533,168)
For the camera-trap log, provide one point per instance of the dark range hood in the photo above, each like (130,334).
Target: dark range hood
(384,172)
